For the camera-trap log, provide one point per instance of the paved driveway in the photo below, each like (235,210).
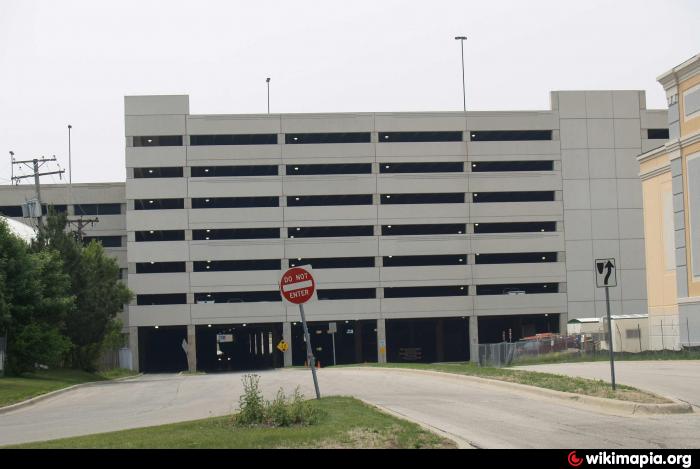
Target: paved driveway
(674,378)
(483,414)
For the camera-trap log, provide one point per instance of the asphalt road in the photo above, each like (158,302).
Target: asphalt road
(679,379)
(482,414)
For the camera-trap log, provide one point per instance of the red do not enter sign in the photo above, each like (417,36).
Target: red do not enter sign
(297,285)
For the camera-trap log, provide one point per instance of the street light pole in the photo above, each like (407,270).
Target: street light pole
(268,94)
(70,166)
(461,39)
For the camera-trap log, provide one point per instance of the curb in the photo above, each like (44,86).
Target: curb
(42,397)
(460,442)
(600,403)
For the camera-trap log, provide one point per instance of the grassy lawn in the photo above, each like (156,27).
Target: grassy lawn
(604,356)
(345,423)
(16,389)
(588,387)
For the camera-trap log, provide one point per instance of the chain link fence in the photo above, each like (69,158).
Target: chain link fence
(531,350)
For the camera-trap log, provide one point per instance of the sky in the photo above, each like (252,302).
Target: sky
(72,61)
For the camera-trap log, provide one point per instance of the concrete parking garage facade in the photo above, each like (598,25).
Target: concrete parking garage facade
(428,232)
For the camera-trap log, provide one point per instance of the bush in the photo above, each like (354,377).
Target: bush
(283,411)
(251,403)
(301,410)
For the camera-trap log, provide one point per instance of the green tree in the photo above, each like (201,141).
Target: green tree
(100,295)
(34,302)
(95,284)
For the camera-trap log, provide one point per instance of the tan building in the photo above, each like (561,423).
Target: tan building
(671,190)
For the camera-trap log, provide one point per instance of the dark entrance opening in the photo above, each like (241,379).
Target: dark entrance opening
(494,329)
(427,340)
(355,342)
(238,347)
(160,349)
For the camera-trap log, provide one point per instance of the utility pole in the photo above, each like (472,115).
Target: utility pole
(80,225)
(36,163)
(268,94)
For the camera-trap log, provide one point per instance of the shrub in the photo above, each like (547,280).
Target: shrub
(278,412)
(283,411)
(251,403)
(301,410)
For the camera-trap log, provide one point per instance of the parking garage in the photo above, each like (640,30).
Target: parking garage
(493,329)
(245,347)
(355,342)
(427,340)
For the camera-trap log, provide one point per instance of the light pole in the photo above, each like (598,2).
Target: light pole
(70,166)
(268,94)
(461,39)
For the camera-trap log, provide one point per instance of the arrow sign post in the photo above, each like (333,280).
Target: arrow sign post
(606,277)
(298,286)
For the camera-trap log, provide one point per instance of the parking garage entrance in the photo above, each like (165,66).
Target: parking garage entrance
(427,340)
(238,347)
(160,349)
(494,329)
(355,342)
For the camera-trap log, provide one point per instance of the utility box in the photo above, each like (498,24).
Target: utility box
(31,209)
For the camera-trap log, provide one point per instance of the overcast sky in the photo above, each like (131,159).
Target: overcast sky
(72,62)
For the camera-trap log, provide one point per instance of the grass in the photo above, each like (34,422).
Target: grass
(345,423)
(15,389)
(684,354)
(588,387)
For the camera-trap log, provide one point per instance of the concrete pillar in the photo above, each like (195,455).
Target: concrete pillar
(440,340)
(134,347)
(563,320)
(287,337)
(473,339)
(381,341)
(191,348)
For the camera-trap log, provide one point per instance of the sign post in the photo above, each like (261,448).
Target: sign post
(297,286)
(606,277)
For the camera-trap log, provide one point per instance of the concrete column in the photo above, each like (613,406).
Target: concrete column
(473,339)
(563,320)
(134,347)
(287,337)
(191,348)
(381,341)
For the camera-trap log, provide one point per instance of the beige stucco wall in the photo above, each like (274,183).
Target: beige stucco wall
(693,286)
(687,128)
(661,281)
